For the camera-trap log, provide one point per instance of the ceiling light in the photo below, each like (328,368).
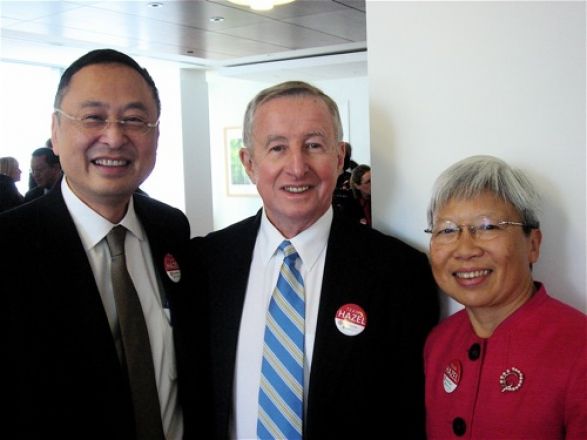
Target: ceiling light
(216,19)
(261,5)
(155,4)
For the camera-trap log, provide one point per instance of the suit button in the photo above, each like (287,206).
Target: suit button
(474,352)
(459,427)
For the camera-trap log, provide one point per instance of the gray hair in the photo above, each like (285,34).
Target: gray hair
(474,175)
(288,88)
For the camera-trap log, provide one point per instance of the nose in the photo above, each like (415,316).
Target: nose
(466,246)
(297,162)
(113,135)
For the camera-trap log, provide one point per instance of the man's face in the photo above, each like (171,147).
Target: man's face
(104,167)
(295,160)
(44,174)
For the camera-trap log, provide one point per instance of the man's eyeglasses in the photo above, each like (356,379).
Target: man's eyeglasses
(485,229)
(96,123)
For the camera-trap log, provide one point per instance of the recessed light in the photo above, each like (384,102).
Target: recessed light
(216,19)
(155,4)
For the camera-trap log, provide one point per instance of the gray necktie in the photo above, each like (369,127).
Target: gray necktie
(135,341)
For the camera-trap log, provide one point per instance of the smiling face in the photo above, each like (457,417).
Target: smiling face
(295,160)
(104,168)
(493,274)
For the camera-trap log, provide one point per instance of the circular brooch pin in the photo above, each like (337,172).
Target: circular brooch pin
(511,379)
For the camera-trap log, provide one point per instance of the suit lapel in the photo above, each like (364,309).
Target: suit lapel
(229,261)
(339,284)
(78,298)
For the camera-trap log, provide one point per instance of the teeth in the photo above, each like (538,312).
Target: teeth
(475,274)
(110,162)
(296,189)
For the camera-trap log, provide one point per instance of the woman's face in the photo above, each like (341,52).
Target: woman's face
(478,270)
(365,185)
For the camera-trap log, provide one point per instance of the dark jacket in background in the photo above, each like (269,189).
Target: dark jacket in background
(9,195)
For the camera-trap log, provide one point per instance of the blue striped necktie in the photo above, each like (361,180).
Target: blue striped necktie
(281,393)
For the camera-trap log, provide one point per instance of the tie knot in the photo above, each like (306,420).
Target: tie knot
(115,240)
(289,251)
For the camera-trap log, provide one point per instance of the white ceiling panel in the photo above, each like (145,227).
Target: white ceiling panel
(183,30)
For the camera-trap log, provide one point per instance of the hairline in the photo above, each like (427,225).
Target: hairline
(286,90)
(475,175)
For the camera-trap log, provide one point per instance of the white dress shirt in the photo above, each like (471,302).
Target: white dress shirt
(267,260)
(92,229)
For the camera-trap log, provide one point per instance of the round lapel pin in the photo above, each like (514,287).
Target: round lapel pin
(350,319)
(171,268)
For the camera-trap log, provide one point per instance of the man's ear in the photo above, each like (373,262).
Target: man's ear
(54,132)
(341,150)
(246,158)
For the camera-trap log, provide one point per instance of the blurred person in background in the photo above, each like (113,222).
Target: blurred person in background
(45,170)
(361,187)
(9,174)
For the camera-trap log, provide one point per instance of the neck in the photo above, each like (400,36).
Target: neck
(486,319)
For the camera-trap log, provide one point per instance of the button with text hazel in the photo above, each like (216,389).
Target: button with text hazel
(459,427)
(474,352)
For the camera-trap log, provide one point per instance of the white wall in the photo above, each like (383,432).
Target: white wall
(228,100)
(196,151)
(451,79)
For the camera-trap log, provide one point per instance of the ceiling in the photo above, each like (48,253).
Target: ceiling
(243,41)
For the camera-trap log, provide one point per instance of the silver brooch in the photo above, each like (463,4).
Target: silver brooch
(511,379)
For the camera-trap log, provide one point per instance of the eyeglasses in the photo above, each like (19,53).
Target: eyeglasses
(485,230)
(96,123)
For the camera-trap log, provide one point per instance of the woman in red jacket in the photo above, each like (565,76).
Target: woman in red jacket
(513,363)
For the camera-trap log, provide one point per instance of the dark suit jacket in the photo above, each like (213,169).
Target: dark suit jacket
(366,386)
(65,380)
(9,195)
(34,193)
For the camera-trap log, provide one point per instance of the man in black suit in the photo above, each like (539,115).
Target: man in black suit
(67,360)
(45,171)
(370,299)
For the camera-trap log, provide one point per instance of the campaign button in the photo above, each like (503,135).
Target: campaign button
(171,268)
(350,319)
(452,376)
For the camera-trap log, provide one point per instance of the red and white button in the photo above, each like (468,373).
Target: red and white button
(350,319)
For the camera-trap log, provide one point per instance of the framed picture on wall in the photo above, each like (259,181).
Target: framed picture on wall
(237,181)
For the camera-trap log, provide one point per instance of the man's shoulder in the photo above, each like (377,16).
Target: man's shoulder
(145,203)
(34,194)
(242,228)
(29,211)
(162,222)
(371,241)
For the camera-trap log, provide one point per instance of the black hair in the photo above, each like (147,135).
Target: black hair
(50,156)
(104,56)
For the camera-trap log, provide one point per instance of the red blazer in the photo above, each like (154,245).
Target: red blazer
(527,381)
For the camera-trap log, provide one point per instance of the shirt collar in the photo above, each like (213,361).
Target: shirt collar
(91,226)
(309,243)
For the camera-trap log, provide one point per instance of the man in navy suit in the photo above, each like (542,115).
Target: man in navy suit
(67,375)
(370,299)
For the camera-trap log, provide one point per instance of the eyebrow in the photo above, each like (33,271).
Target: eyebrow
(99,104)
(277,137)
